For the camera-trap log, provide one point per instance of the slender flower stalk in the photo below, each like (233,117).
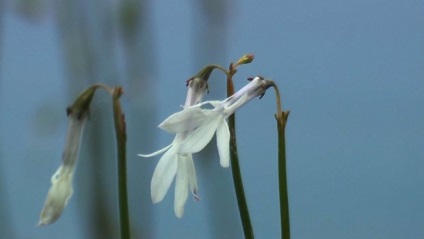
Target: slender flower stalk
(235,166)
(121,138)
(174,164)
(61,189)
(281,117)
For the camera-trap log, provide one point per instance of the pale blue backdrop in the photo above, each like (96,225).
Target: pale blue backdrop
(350,72)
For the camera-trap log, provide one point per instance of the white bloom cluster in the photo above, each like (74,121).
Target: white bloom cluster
(194,127)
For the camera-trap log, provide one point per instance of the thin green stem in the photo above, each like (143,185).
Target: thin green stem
(281,118)
(121,138)
(282,176)
(278,101)
(218,67)
(238,182)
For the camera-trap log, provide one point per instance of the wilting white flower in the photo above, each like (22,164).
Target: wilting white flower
(175,164)
(203,123)
(61,188)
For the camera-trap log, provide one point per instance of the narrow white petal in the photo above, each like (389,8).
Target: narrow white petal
(155,153)
(181,185)
(187,119)
(223,143)
(164,175)
(199,138)
(192,179)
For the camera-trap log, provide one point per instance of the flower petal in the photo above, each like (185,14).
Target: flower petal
(58,195)
(214,103)
(181,185)
(192,179)
(155,153)
(232,106)
(164,174)
(184,120)
(223,143)
(200,137)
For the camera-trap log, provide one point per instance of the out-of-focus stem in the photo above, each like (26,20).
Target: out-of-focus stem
(121,138)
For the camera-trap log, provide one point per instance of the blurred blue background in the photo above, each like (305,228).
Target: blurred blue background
(350,72)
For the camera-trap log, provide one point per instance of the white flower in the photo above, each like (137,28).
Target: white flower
(180,165)
(61,189)
(173,164)
(203,123)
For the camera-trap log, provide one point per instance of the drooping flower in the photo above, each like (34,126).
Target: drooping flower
(174,164)
(61,188)
(205,122)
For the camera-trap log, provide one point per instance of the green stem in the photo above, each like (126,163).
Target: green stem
(282,175)
(235,167)
(238,183)
(121,138)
